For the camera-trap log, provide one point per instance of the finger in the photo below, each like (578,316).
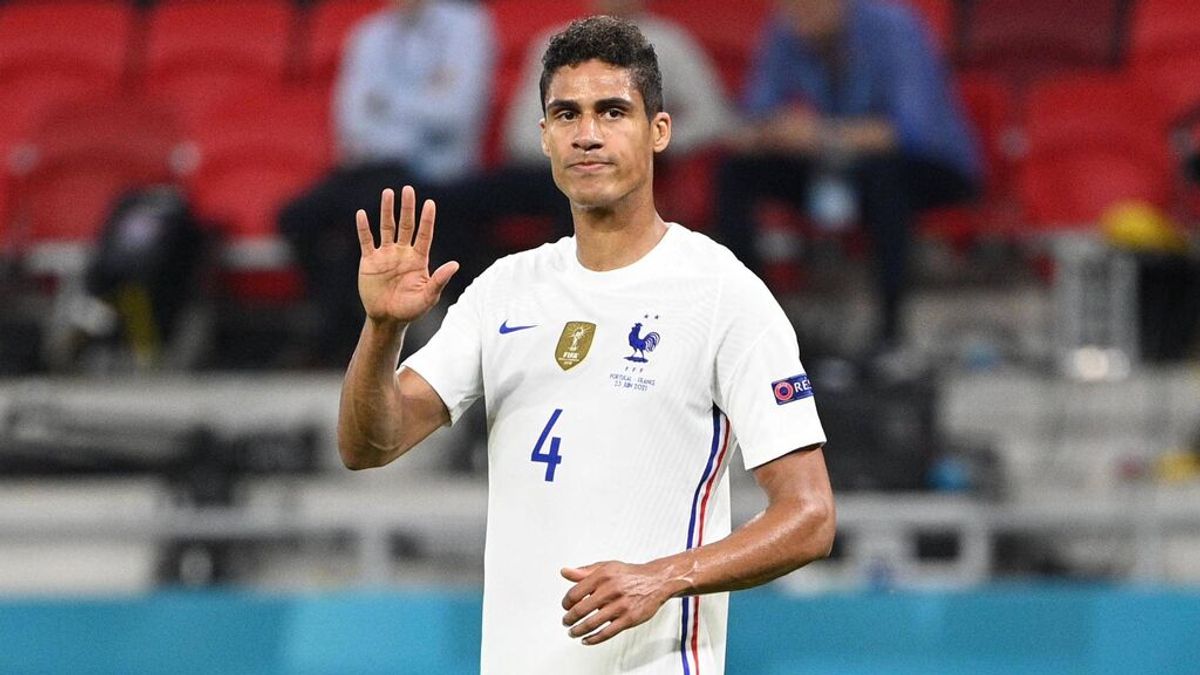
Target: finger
(594,622)
(387,217)
(575,574)
(610,631)
(578,592)
(408,210)
(365,239)
(441,276)
(585,607)
(425,232)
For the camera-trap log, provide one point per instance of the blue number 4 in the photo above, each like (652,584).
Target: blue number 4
(552,458)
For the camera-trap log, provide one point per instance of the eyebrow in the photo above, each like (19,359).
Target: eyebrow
(614,102)
(602,104)
(562,104)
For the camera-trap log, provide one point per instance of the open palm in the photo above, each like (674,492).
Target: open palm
(394,282)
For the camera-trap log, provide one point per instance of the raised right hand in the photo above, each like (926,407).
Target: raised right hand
(394,282)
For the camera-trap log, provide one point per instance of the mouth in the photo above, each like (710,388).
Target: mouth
(589,165)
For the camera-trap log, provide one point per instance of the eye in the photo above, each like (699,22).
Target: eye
(614,113)
(565,115)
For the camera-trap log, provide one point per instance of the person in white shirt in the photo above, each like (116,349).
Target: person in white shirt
(409,105)
(621,369)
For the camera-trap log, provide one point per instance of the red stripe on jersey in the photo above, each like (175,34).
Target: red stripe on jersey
(708,487)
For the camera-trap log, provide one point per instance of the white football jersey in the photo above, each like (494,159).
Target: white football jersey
(614,402)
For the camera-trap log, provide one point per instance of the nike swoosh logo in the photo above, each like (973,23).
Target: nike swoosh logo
(505,329)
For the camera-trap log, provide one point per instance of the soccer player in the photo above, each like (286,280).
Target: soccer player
(620,368)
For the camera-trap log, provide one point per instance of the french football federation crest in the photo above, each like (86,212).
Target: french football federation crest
(641,343)
(574,343)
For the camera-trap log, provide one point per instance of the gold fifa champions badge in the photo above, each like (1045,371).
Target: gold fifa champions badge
(574,343)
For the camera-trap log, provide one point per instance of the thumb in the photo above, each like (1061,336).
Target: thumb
(442,275)
(576,574)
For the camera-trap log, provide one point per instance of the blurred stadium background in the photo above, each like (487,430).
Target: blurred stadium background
(1019,492)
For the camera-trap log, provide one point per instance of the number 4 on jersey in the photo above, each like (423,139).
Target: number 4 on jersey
(552,458)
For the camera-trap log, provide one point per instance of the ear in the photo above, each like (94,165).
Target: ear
(545,146)
(660,131)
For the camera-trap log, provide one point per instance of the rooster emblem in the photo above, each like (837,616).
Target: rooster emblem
(641,344)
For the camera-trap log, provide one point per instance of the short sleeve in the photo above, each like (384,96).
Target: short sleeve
(760,384)
(451,362)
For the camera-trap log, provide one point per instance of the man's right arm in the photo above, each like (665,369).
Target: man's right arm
(384,412)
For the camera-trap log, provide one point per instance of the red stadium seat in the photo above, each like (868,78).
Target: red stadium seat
(199,50)
(1092,141)
(1163,31)
(79,44)
(729,31)
(684,190)
(1073,190)
(329,25)
(255,153)
(1103,111)
(992,111)
(21,108)
(1176,83)
(83,156)
(1027,39)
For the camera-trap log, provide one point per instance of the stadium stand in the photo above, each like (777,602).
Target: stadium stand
(1094,110)
(80,45)
(1164,49)
(1026,39)
(52,52)
(255,151)
(1176,82)
(1093,141)
(1164,30)
(1073,189)
(199,50)
(82,155)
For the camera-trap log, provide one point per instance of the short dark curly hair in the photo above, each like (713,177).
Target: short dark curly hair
(614,41)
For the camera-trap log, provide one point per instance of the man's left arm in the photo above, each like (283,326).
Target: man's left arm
(796,528)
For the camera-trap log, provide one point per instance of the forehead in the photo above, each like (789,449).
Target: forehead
(591,81)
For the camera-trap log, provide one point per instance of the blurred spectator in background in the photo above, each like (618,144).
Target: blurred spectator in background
(523,186)
(409,108)
(852,117)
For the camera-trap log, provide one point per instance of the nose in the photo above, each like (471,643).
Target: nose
(587,134)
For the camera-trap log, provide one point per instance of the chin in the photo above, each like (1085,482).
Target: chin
(591,199)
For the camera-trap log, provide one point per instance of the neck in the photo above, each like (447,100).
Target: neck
(609,239)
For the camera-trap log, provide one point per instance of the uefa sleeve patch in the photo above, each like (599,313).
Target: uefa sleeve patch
(791,389)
